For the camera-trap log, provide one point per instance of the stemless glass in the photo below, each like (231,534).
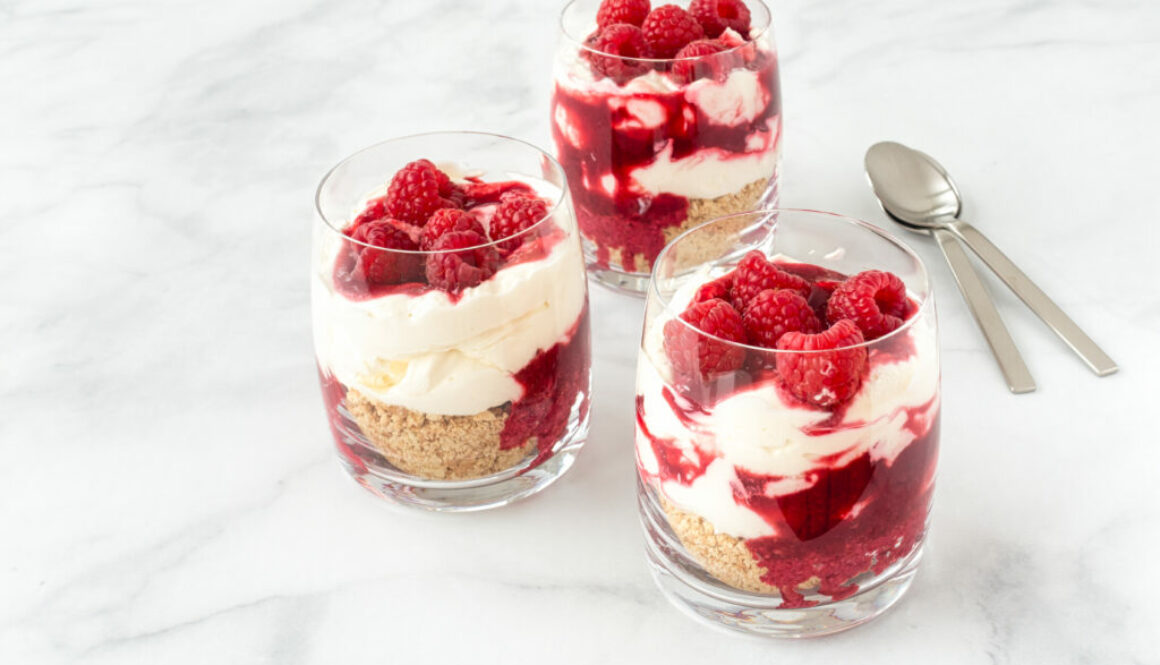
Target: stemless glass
(785,492)
(440,397)
(655,146)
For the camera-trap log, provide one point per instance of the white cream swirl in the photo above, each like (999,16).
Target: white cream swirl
(437,355)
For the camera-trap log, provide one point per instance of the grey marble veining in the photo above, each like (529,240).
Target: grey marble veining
(167,488)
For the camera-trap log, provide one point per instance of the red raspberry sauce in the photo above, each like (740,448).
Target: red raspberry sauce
(333,394)
(608,145)
(552,381)
(860,517)
(863,516)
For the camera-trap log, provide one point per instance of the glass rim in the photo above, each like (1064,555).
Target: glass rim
(923,306)
(755,33)
(560,198)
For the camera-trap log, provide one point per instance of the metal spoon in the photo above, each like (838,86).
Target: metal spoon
(906,191)
(917,192)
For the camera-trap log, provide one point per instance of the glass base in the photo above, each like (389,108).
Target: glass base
(634,284)
(450,496)
(753,615)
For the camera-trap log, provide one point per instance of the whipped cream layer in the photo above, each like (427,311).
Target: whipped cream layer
(436,355)
(706,173)
(761,430)
(711,172)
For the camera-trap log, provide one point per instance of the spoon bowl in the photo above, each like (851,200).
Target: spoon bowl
(914,189)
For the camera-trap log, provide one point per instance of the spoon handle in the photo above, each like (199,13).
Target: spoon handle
(1036,299)
(1015,371)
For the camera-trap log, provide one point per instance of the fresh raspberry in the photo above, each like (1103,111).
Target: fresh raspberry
(772,313)
(620,39)
(374,265)
(826,377)
(718,288)
(455,266)
(685,71)
(755,274)
(717,15)
(447,189)
(448,220)
(632,12)
(693,352)
(874,300)
(414,193)
(376,209)
(668,28)
(516,212)
(415,233)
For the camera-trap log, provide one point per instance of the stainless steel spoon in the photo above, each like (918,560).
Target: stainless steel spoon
(906,191)
(917,192)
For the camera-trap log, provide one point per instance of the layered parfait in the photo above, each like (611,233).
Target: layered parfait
(451,324)
(663,117)
(787,425)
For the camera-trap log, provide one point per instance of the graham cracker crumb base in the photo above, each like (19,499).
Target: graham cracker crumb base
(723,556)
(436,447)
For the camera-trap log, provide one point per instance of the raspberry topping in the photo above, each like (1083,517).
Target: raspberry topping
(668,28)
(516,212)
(828,378)
(376,209)
(620,39)
(447,189)
(378,266)
(718,288)
(717,15)
(414,192)
(415,233)
(632,12)
(874,300)
(693,353)
(448,220)
(755,274)
(456,267)
(685,71)
(772,313)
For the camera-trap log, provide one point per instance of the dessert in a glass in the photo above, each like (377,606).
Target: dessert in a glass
(450,312)
(787,416)
(663,117)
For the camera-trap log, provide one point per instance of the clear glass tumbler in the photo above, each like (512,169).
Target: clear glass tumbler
(451,326)
(787,414)
(656,145)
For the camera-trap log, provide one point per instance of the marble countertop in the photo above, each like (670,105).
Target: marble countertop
(168,491)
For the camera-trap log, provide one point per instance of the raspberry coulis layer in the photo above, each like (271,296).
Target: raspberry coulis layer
(333,394)
(552,381)
(602,140)
(862,516)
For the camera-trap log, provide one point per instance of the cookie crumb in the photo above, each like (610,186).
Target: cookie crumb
(437,447)
(723,556)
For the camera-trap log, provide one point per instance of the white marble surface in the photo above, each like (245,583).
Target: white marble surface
(168,493)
